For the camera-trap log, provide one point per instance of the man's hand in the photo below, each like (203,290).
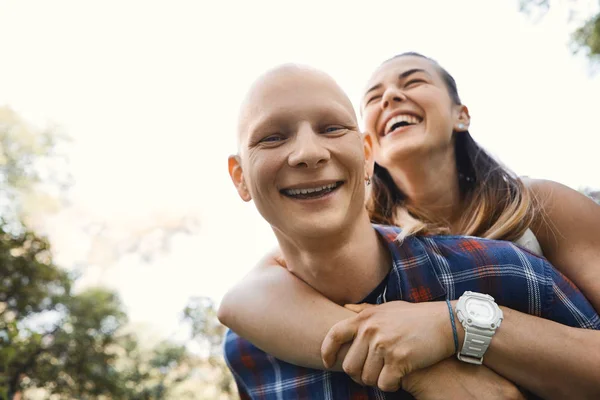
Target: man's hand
(452,379)
(390,341)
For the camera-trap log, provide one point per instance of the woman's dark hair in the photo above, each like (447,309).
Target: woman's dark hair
(498,205)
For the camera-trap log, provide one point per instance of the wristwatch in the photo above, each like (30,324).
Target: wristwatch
(480,316)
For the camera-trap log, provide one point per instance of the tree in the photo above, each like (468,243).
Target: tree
(586,38)
(72,345)
(51,338)
(152,373)
(33,171)
(76,344)
(207,332)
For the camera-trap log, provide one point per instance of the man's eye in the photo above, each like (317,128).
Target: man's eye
(334,129)
(272,139)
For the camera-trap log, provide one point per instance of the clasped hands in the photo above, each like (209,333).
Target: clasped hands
(410,346)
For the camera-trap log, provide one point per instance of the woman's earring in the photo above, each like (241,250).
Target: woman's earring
(368,180)
(461,126)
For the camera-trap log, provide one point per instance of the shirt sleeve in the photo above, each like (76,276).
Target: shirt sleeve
(242,391)
(233,357)
(567,304)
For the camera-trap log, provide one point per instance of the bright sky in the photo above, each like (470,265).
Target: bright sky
(149,91)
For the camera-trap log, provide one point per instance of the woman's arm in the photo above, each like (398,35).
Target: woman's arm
(398,338)
(299,318)
(552,360)
(281,314)
(452,379)
(568,229)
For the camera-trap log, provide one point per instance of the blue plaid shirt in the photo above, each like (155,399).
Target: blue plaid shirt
(424,269)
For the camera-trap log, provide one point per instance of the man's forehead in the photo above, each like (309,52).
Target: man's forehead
(283,85)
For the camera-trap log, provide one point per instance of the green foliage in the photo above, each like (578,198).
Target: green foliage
(206,330)
(153,374)
(33,169)
(72,344)
(50,337)
(585,39)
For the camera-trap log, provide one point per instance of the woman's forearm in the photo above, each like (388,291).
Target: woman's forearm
(552,360)
(282,315)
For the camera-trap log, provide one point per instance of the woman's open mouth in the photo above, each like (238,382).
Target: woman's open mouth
(400,121)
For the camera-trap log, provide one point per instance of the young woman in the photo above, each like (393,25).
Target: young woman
(432,177)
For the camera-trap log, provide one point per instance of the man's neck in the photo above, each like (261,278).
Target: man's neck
(344,267)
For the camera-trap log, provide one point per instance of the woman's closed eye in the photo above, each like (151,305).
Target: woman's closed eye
(414,82)
(372,99)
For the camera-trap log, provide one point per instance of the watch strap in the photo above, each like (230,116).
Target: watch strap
(475,345)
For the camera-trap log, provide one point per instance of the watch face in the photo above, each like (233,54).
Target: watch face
(480,311)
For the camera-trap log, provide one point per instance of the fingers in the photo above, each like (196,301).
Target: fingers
(372,367)
(358,307)
(389,379)
(355,359)
(342,332)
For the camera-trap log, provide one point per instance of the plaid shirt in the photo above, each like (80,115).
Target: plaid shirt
(424,269)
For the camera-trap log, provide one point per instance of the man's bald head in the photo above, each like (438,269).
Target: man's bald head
(281,88)
(298,130)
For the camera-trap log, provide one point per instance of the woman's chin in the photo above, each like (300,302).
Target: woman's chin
(395,154)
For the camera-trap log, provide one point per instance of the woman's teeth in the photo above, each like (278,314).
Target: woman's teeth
(399,121)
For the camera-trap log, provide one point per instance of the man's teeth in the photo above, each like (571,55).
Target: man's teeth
(406,118)
(295,192)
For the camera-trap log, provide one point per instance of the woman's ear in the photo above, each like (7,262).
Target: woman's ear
(464,119)
(368,149)
(237,177)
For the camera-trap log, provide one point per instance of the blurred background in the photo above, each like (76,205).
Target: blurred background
(119,228)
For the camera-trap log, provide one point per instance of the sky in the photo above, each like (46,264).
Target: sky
(149,93)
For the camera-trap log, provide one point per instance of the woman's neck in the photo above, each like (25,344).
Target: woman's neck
(431,184)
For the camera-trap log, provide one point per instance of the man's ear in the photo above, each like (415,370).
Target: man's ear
(464,119)
(368,149)
(237,177)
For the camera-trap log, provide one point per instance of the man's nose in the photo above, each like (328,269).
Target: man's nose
(309,150)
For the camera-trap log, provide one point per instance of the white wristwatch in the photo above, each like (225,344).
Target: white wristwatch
(480,316)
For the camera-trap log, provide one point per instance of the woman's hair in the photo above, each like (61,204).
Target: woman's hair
(499,206)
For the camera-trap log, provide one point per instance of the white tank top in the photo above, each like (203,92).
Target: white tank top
(529,241)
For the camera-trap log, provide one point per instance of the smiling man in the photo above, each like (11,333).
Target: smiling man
(304,163)
(301,160)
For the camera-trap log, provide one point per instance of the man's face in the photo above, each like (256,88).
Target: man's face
(301,156)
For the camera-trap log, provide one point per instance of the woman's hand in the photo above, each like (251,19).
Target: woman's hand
(452,379)
(390,341)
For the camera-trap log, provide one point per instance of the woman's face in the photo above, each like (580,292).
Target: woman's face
(408,111)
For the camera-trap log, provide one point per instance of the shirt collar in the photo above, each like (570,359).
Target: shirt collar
(413,276)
